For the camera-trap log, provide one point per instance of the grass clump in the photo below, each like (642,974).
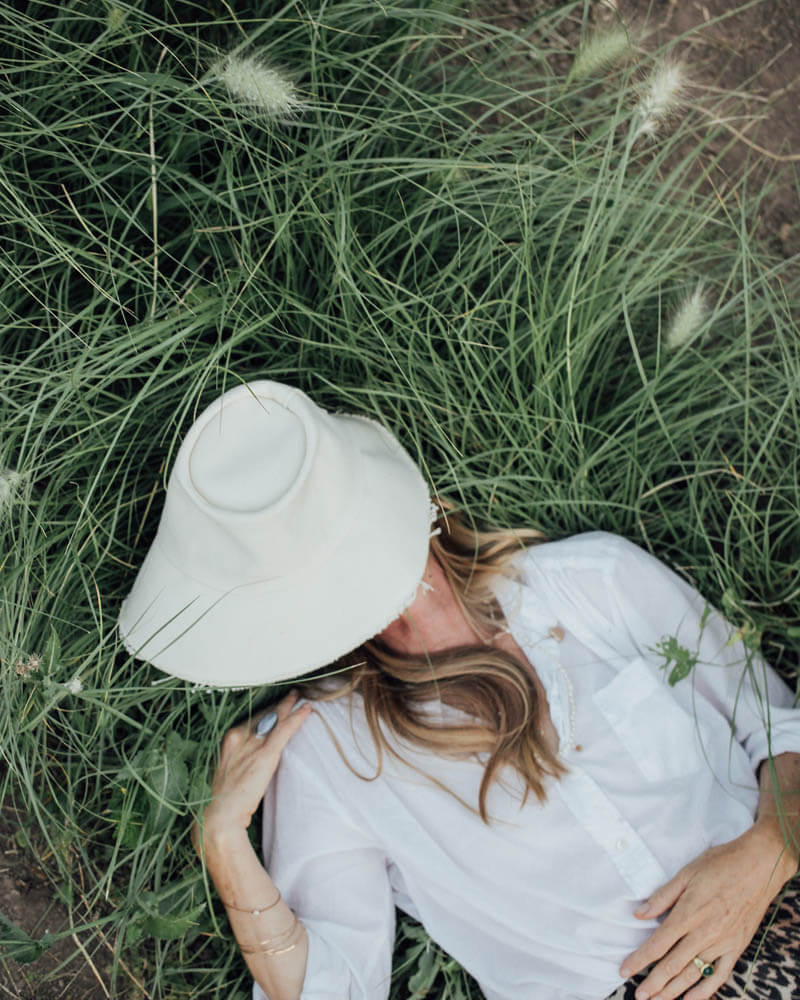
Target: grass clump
(449,237)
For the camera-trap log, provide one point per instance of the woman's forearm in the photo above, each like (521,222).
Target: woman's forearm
(778,815)
(273,941)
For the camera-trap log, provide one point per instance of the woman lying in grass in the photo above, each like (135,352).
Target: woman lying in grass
(498,750)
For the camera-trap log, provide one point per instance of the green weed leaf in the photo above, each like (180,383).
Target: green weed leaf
(677,656)
(422,980)
(170,927)
(17,945)
(165,774)
(173,911)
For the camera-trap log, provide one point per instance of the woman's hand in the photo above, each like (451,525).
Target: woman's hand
(246,765)
(716,904)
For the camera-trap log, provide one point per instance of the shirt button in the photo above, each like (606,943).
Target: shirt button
(621,844)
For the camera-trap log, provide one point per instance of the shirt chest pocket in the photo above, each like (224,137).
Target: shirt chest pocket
(663,739)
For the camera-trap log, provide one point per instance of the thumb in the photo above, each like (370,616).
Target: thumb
(663,898)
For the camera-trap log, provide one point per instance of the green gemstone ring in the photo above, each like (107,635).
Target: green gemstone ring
(706,968)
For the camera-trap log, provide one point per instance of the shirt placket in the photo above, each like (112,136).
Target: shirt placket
(583,797)
(610,830)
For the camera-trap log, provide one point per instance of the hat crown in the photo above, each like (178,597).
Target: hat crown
(261,489)
(247,457)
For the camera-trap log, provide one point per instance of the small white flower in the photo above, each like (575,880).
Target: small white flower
(254,83)
(75,686)
(688,318)
(600,50)
(662,97)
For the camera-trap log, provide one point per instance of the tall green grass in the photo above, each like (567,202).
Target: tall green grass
(453,236)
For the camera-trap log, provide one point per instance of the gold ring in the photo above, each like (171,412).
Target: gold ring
(706,968)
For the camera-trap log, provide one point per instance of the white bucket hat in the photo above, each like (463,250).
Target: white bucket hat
(289,536)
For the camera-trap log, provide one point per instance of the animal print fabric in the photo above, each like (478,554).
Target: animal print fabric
(770,967)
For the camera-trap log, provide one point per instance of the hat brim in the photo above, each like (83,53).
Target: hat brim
(262,633)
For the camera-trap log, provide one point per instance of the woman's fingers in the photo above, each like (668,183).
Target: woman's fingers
(665,937)
(266,724)
(283,712)
(676,967)
(287,703)
(235,741)
(665,897)
(276,734)
(675,987)
(707,987)
(676,972)
(690,979)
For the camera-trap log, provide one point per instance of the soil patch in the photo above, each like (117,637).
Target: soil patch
(753,54)
(71,969)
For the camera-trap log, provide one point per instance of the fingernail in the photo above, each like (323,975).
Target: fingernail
(267,724)
(625,972)
(642,911)
(641,994)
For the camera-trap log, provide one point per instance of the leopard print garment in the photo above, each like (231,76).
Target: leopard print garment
(770,967)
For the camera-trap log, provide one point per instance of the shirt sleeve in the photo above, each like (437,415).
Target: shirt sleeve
(335,879)
(656,604)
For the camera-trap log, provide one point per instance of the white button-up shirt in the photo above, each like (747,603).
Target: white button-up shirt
(539,904)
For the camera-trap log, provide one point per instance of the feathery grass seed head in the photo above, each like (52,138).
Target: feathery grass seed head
(688,318)
(251,81)
(601,49)
(115,18)
(663,95)
(9,481)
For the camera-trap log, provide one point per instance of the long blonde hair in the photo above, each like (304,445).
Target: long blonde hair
(485,682)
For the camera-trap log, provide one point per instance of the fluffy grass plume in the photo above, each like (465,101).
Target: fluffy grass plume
(115,18)
(688,319)
(252,82)
(662,96)
(601,49)
(9,483)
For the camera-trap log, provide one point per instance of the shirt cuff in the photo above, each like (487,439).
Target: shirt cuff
(783,736)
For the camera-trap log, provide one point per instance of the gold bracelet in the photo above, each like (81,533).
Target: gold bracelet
(283,934)
(259,949)
(268,951)
(257,911)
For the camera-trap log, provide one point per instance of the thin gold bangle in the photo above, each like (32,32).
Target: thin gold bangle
(268,951)
(258,949)
(257,911)
(255,950)
(280,951)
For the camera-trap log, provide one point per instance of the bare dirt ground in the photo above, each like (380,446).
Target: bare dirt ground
(66,971)
(748,50)
(754,53)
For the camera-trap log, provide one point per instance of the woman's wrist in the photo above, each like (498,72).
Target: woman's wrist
(769,832)
(222,838)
